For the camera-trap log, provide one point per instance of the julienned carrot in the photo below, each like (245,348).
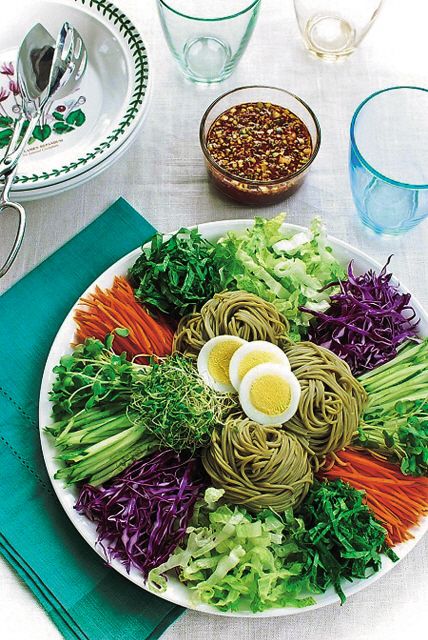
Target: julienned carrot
(398,501)
(105,310)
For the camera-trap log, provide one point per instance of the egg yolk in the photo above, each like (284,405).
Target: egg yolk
(270,394)
(219,360)
(254,358)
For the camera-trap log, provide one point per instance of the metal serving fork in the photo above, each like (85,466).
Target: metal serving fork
(75,69)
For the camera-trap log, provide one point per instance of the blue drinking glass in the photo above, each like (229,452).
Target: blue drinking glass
(388,159)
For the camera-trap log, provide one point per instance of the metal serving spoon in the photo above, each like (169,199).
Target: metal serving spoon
(43,68)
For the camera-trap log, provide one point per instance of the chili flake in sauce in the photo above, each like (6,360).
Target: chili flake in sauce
(259,141)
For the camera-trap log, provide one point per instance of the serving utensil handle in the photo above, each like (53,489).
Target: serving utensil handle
(16,147)
(5,203)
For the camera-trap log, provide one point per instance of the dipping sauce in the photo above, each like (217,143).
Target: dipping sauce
(259,141)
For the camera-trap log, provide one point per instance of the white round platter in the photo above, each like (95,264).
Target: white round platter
(93,126)
(176,591)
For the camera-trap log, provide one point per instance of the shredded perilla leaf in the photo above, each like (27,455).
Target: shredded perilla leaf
(178,275)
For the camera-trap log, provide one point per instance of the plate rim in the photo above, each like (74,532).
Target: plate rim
(89,173)
(87,528)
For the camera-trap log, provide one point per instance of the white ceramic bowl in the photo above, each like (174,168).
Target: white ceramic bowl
(105,113)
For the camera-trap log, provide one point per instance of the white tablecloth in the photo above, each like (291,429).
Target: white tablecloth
(163,176)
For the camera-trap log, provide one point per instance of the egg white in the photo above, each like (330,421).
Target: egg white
(263,351)
(247,388)
(208,351)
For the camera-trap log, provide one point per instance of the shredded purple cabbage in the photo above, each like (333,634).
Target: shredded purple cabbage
(143,513)
(366,321)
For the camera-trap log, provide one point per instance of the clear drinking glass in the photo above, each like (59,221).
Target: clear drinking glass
(332,29)
(388,159)
(207,39)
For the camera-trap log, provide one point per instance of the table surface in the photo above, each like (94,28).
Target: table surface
(162,176)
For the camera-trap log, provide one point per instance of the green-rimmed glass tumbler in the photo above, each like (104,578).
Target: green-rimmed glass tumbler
(388,159)
(207,39)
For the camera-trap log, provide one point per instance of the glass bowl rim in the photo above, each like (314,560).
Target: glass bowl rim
(354,146)
(259,183)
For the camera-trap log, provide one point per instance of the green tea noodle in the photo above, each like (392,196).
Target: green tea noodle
(258,466)
(331,400)
(236,313)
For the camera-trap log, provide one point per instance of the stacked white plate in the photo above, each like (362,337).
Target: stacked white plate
(85,133)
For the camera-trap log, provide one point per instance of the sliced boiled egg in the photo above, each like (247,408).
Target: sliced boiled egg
(214,360)
(269,394)
(252,354)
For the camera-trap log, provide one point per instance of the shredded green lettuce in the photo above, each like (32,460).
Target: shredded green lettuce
(286,268)
(234,560)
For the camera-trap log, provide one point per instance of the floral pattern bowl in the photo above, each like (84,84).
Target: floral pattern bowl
(81,134)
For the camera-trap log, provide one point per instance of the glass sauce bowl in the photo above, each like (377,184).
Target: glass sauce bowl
(220,159)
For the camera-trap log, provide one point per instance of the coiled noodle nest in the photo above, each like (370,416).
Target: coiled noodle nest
(257,466)
(331,399)
(236,313)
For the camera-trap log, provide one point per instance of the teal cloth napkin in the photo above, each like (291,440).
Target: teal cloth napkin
(84,597)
